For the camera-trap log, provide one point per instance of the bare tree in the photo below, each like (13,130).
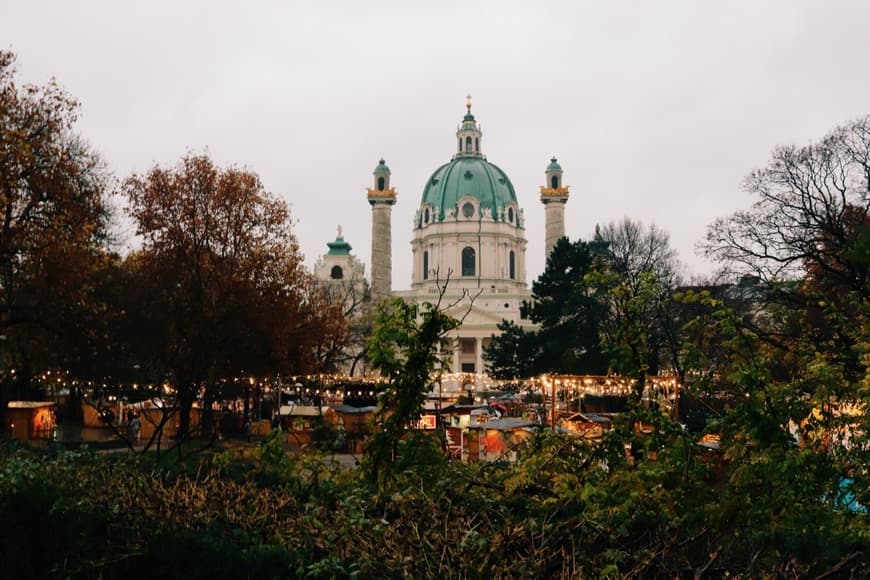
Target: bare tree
(345,351)
(644,271)
(806,237)
(810,213)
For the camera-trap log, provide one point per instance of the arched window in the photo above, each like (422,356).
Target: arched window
(554,182)
(511,215)
(512,265)
(468,144)
(337,273)
(469,261)
(476,145)
(426,265)
(426,216)
(380,183)
(460,145)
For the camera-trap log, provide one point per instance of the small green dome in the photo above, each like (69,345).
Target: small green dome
(339,247)
(382,167)
(469,176)
(554,166)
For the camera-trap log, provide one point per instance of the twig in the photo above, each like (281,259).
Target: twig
(838,566)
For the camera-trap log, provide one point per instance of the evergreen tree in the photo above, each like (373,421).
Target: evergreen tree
(568,312)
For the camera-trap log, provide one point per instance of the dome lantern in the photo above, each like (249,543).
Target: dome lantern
(382,176)
(554,174)
(469,135)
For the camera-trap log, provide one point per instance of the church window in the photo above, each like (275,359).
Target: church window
(554,182)
(468,144)
(380,183)
(512,265)
(511,215)
(468,209)
(469,261)
(426,216)
(426,265)
(337,273)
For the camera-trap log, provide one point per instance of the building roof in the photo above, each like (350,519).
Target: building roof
(554,165)
(468,176)
(382,167)
(339,247)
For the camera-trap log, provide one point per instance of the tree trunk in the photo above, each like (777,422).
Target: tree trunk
(186,397)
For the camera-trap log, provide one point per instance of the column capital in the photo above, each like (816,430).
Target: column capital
(554,195)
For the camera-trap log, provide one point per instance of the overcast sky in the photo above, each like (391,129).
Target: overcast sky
(656,110)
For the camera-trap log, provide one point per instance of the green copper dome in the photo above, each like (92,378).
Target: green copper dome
(339,247)
(382,167)
(554,165)
(468,176)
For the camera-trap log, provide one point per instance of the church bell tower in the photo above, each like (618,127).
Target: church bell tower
(554,196)
(382,197)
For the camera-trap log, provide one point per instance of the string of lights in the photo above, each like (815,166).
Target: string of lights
(339,384)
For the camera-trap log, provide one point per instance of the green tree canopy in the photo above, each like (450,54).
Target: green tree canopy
(568,314)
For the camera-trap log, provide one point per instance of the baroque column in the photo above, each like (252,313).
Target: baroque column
(381,197)
(554,197)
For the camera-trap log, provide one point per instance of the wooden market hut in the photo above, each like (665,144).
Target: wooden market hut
(301,421)
(30,420)
(354,421)
(497,440)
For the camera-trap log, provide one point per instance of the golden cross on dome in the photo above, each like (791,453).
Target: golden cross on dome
(468,104)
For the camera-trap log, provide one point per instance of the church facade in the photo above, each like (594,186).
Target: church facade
(468,234)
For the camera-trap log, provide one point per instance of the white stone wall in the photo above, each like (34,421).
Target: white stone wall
(496,296)
(492,242)
(352,268)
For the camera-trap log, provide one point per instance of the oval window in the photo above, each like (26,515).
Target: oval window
(511,215)
(426,216)
(468,209)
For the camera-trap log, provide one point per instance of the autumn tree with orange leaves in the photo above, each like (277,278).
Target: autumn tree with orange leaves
(53,228)
(225,289)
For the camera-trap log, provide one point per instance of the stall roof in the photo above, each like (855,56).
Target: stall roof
(302,410)
(506,424)
(350,410)
(30,404)
(465,409)
(597,418)
(436,406)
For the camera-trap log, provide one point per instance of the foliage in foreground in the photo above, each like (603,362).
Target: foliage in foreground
(566,509)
